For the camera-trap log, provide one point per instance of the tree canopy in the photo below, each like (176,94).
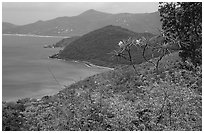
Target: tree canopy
(182,21)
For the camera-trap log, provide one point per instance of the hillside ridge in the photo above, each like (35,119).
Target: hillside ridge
(88,21)
(96,47)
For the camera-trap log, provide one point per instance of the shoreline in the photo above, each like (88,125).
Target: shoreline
(86,63)
(33,35)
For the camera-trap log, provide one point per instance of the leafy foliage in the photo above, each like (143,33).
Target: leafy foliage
(12,117)
(122,100)
(183,22)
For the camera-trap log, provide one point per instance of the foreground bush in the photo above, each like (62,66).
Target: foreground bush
(120,100)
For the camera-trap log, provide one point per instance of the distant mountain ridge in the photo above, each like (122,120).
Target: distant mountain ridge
(88,21)
(6,25)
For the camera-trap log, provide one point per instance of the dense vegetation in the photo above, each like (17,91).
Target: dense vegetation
(182,21)
(128,98)
(96,46)
(118,100)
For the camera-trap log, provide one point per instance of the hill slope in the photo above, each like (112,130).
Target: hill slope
(89,21)
(6,26)
(96,46)
(119,100)
(66,41)
(62,43)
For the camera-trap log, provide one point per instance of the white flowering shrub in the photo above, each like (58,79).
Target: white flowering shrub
(156,44)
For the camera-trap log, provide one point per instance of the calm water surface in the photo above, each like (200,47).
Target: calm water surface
(26,69)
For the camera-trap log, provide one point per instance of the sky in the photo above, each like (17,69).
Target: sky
(21,13)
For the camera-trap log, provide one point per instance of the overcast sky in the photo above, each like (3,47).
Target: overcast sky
(23,13)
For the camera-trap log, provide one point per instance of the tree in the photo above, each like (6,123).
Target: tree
(124,50)
(155,45)
(182,21)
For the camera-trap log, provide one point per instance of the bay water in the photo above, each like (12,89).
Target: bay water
(28,72)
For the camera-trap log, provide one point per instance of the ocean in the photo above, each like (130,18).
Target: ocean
(28,72)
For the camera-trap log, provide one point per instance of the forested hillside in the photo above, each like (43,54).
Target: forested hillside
(96,46)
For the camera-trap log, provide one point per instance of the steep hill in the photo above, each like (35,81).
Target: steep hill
(96,46)
(88,21)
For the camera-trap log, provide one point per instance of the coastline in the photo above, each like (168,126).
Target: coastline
(83,63)
(33,35)
(39,97)
(88,64)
